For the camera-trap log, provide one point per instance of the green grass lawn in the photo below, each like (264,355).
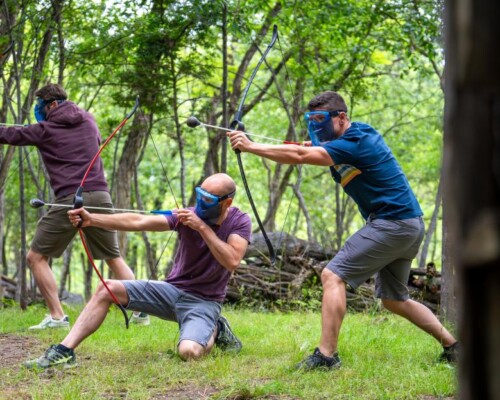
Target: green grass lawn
(383,356)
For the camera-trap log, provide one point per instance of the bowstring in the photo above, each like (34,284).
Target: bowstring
(281,244)
(169,184)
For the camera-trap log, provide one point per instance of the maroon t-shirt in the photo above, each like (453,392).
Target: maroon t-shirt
(195,269)
(67,142)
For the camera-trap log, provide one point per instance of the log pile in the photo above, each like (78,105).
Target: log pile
(8,287)
(296,276)
(295,279)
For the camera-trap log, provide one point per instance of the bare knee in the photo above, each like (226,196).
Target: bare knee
(104,295)
(189,350)
(395,306)
(331,279)
(34,259)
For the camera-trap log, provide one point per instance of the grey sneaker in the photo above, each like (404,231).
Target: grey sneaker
(318,360)
(140,319)
(226,340)
(52,357)
(49,322)
(450,353)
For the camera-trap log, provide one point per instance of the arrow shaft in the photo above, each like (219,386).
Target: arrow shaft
(3,124)
(247,133)
(166,212)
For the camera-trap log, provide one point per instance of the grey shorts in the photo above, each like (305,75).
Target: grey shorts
(382,247)
(196,317)
(54,231)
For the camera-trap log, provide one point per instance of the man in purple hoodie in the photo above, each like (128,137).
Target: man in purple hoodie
(67,138)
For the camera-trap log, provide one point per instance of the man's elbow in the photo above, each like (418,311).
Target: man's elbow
(233,266)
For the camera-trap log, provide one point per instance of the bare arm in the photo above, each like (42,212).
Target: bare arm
(284,154)
(229,254)
(120,222)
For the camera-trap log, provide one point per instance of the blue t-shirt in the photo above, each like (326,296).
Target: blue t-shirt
(370,174)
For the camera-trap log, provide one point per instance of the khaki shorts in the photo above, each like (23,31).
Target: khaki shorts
(54,231)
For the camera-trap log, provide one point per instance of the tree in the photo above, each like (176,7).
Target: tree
(473,186)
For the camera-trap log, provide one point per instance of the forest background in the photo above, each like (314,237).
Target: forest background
(188,58)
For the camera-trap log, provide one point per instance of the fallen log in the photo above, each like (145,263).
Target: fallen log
(289,245)
(296,277)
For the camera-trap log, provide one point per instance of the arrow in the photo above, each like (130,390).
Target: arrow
(193,122)
(37,203)
(2,124)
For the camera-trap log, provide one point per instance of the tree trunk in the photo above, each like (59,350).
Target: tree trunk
(125,172)
(152,272)
(65,269)
(472,138)
(23,294)
(431,229)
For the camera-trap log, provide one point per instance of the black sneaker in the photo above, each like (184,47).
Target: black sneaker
(53,357)
(226,340)
(318,360)
(450,353)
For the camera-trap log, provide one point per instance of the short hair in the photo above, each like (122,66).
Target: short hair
(51,92)
(329,100)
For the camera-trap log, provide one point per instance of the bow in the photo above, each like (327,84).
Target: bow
(237,124)
(78,203)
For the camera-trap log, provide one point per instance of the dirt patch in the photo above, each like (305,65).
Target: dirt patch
(187,392)
(202,393)
(16,349)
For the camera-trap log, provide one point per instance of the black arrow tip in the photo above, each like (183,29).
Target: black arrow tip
(36,203)
(193,122)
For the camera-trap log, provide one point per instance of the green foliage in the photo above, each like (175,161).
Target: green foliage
(384,57)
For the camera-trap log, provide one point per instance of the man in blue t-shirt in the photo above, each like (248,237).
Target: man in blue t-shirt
(362,163)
(213,238)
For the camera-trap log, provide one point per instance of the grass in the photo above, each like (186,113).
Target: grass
(383,356)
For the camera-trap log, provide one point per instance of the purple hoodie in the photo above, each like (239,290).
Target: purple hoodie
(67,142)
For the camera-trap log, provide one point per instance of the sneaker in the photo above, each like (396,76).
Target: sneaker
(53,357)
(49,322)
(450,353)
(226,340)
(140,319)
(318,360)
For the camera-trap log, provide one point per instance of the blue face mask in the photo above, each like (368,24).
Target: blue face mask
(208,206)
(40,113)
(320,126)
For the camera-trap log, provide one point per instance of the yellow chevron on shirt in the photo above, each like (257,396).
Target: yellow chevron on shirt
(347,173)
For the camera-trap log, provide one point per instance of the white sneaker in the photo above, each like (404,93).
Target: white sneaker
(140,319)
(50,322)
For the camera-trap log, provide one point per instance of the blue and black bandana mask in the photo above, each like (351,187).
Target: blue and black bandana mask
(208,206)
(40,112)
(320,126)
